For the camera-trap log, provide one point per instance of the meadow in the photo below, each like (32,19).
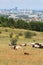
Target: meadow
(9,56)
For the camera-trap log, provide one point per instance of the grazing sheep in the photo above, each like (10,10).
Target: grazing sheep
(17,47)
(14,46)
(26,53)
(23,44)
(36,46)
(11,44)
(32,43)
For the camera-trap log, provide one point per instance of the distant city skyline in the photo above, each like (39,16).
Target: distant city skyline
(22,4)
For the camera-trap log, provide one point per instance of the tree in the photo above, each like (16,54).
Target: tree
(10,22)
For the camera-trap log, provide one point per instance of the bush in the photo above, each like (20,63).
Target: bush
(13,41)
(11,34)
(20,34)
(6,30)
(0,32)
(28,34)
(34,34)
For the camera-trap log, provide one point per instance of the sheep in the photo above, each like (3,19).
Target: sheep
(17,47)
(23,44)
(36,46)
(26,53)
(32,43)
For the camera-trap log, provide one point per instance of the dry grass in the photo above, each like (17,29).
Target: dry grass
(9,56)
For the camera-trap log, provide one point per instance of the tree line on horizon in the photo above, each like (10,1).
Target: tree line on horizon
(21,24)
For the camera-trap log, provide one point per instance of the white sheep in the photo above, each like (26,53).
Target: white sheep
(17,47)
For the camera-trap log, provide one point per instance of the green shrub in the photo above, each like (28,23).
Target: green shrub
(0,32)
(13,41)
(34,34)
(28,34)
(11,34)
(6,30)
(20,34)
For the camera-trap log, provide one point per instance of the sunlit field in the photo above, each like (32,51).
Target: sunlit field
(9,56)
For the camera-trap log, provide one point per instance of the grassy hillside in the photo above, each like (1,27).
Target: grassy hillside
(9,56)
(5,34)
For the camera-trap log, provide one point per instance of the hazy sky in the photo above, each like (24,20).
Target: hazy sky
(22,4)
